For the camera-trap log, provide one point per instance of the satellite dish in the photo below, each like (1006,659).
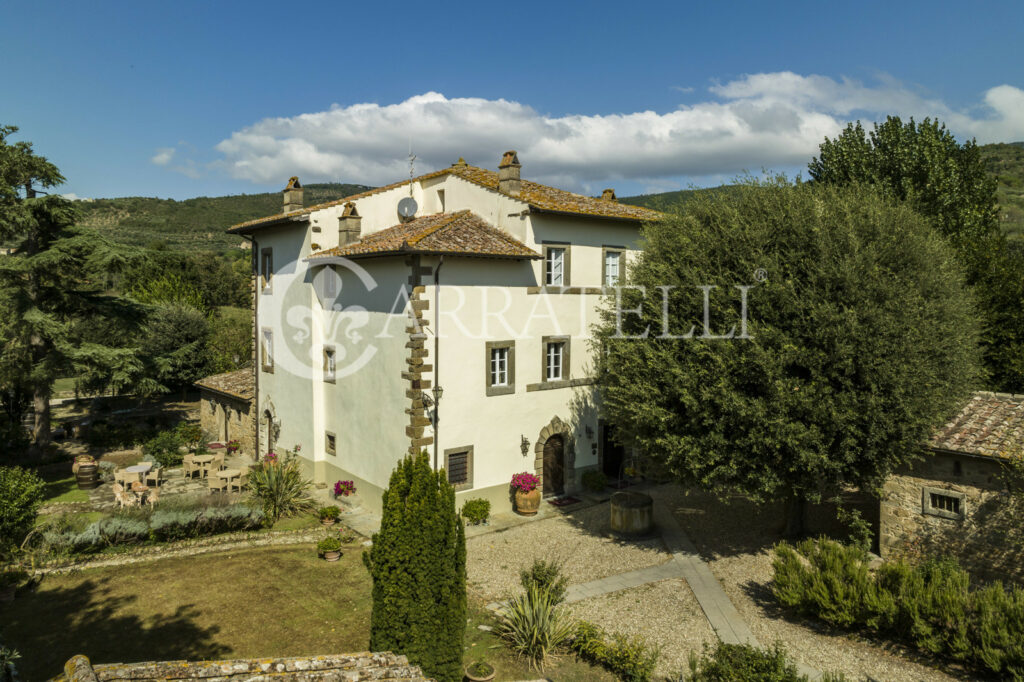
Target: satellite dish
(407,207)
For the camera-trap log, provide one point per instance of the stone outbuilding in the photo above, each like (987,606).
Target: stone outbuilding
(957,501)
(226,409)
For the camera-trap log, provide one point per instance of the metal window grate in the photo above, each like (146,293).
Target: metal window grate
(945,503)
(458,468)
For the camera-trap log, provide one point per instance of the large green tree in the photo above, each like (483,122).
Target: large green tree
(862,339)
(49,285)
(947,183)
(418,564)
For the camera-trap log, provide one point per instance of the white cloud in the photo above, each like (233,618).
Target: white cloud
(767,120)
(163,156)
(71,196)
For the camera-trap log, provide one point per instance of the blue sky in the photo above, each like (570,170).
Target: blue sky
(187,99)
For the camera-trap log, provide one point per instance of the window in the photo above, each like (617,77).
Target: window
(267,351)
(330,364)
(947,504)
(440,199)
(458,462)
(329,282)
(331,444)
(500,376)
(612,261)
(556,265)
(266,268)
(556,358)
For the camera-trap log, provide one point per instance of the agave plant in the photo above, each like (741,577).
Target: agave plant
(534,626)
(280,488)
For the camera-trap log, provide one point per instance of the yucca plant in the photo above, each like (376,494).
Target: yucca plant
(534,626)
(280,488)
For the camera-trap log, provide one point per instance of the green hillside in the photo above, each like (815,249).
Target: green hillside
(1004,161)
(193,224)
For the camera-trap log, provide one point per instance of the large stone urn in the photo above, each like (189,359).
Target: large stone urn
(632,514)
(527,504)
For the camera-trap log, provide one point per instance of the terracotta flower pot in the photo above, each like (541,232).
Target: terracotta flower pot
(476,677)
(332,556)
(527,504)
(327,522)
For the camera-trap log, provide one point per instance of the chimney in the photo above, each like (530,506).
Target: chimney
(609,195)
(508,174)
(293,195)
(349,225)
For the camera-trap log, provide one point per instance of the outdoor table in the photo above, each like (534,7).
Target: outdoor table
(228,473)
(140,490)
(140,469)
(203,461)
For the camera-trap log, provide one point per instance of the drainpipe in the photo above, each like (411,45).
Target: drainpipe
(255,341)
(437,357)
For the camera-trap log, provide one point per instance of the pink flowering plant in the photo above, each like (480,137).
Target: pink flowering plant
(344,488)
(270,458)
(524,482)
(233,446)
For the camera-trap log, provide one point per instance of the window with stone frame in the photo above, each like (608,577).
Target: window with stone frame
(500,371)
(611,266)
(267,350)
(556,358)
(330,443)
(556,265)
(947,504)
(458,463)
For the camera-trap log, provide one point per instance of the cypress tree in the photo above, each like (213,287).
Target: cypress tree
(418,565)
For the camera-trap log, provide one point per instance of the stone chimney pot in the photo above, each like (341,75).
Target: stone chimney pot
(508,174)
(349,225)
(293,195)
(609,195)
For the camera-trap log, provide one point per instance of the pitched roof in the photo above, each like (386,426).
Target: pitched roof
(238,383)
(539,197)
(461,233)
(990,425)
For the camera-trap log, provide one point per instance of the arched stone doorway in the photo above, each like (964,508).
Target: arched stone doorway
(555,459)
(270,427)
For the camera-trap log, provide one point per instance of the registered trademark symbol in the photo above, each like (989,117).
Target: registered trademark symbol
(760,274)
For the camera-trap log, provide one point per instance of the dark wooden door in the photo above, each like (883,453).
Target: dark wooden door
(612,453)
(554,466)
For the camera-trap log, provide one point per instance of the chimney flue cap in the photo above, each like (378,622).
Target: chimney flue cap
(509,159)
(609,195)
(293,183)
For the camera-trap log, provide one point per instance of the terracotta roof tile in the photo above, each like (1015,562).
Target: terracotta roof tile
(540,197)
(238,383)
(450,233)
(990,424)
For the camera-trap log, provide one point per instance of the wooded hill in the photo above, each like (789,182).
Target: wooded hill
(193,224)
(1004,161)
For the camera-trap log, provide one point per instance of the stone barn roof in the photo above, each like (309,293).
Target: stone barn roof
(237,384)
(989,425)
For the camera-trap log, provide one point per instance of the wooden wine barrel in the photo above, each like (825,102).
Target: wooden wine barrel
(87,476)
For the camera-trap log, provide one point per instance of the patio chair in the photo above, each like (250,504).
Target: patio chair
(190,467)
(218,463)
(218,483)
(124,478)
(124,498)
(155,476)
(242,480)
(153,496)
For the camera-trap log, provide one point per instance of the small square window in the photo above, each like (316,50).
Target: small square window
(331,444)
(458,463)
(947,504)
(330,364)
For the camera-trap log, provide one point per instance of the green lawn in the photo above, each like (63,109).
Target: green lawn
(241,604)
(61,487)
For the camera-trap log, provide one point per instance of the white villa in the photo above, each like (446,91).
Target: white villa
(449,312)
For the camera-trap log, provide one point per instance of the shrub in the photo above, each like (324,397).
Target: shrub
(930,606)
(595,481)
(7,659)
(743,663)
(418,565)
(534,626)
(547,577)
(328,544)
(21,493)
(628,658)
(329,513)
(164,448)
(476,511)
(181,524)
(191,435)
(106,471)
(280,488)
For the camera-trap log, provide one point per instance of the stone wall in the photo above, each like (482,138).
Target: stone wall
(987,536)
(344,667)
(241,418)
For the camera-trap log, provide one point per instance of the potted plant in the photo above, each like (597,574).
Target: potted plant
(9,581)
(232,446)
(527,495)
(328,515)
(476,511)
(344,488)
(480,671)
(329,548)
